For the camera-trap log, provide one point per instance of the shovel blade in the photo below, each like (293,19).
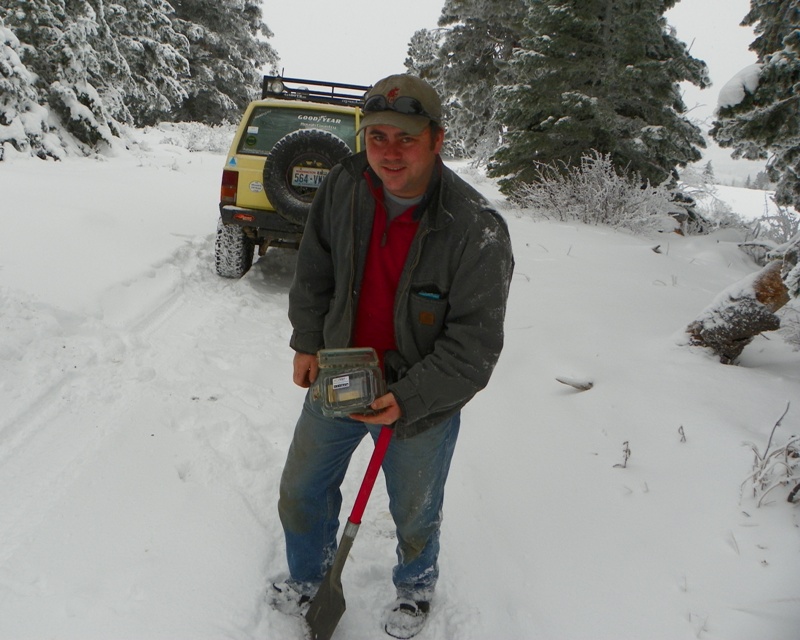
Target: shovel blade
(328,605)
(327,608)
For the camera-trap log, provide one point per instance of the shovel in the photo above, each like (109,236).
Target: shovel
(328,605)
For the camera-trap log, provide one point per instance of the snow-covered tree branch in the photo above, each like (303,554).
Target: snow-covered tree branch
(759,109)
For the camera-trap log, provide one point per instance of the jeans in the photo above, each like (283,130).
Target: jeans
(310,498)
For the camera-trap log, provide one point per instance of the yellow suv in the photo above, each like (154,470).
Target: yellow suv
(283,148)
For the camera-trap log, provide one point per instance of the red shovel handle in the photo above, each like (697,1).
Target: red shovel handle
(372,473)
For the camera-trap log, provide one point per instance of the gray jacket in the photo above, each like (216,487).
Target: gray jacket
(450,302)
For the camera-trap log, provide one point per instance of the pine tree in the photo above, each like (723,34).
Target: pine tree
(599,75)
(423,58)
(772,21)
(154,66)
(423,54)
(765,124)
(225,57)
(479,39)
(97,64)
(71,51)
(23,122)
(762,181)
(424,61)
(76,73)
(100,64)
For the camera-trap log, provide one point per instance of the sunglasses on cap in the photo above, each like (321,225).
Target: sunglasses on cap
(406,105)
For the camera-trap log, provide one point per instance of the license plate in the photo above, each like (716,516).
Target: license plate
(308,176)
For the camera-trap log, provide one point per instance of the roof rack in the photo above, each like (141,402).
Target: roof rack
(313,90)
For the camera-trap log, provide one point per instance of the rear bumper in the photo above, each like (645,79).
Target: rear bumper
(266,227)
(268,221)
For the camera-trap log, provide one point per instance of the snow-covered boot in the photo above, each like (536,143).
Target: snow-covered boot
(406,618)
(288,599)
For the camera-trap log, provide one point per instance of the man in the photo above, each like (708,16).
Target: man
(401,255)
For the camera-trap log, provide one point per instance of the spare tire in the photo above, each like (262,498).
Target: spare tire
(295,167)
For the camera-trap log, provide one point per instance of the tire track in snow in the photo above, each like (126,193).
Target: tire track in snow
(166,353)
(46,429)
(57,417)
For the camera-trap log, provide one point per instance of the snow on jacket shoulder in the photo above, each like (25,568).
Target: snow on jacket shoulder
(451,300)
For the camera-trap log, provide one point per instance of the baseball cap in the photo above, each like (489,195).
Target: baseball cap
(402,101)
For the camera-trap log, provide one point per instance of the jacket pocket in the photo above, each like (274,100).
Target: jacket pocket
(427,312)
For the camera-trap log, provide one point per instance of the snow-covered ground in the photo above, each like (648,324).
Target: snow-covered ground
(147,406)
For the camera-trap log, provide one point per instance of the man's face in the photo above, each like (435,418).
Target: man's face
(403,162)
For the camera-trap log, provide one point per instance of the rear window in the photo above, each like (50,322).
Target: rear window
(267,125)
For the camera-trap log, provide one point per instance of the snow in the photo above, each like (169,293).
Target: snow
(735,89)
(148,407)
(750,204)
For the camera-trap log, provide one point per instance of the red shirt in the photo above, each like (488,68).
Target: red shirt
(386,257)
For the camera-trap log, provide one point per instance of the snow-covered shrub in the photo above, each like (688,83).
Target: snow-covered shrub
(594,193)
(778,467)
(771,235)
(195,136)
(701,188)
(779,227)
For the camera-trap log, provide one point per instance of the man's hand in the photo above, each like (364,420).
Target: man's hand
(388,410)
(306,369)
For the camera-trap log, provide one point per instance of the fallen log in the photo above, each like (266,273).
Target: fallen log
(740,313)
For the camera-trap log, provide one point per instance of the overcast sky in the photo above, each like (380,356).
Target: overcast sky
(711,29)
(362,41)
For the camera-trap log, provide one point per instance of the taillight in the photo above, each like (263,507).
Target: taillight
(227,192)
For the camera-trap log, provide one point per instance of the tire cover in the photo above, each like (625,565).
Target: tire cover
(305,148)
